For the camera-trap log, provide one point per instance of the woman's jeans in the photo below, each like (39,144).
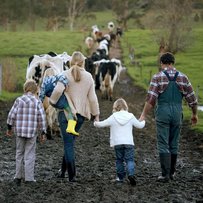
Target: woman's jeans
(125,160)
(69,143)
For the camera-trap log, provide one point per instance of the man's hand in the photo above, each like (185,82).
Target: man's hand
(194,119)
(147,108)
(9,133)
(142,118)
(43,138)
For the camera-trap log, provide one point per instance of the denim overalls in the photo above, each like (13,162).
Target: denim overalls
(169,117)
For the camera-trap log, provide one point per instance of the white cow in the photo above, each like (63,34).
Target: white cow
(44,65)
(119,67)
(51,113)
(104,44)
(111,26)
(89,41)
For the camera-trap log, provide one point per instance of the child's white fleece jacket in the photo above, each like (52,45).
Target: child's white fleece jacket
(121,127)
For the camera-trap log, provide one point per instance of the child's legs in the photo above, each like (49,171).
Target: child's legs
(30,149)
(120,164)
(63,104)
(129,159)
(20,148)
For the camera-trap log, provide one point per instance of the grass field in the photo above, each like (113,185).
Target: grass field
(146,53)
(19,46)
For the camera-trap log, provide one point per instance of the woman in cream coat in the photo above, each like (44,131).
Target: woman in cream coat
(83,100)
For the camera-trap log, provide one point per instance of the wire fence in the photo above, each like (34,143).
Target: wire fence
(0,79)
(199,89)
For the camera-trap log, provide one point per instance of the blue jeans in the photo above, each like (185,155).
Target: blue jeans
(125,160)
(69,142)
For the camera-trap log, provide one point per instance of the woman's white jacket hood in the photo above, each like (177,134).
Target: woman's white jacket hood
(121,127)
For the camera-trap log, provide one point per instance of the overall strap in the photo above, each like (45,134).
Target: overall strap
(169,78)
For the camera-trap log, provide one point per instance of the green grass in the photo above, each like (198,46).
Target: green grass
(146,53)
(21,45)
(7,96)
(101,20)
(25,44)
(145,50)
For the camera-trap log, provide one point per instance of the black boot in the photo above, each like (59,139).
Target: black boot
(173,165)
(71,171)
(165,161)
(62,171)
(132,180)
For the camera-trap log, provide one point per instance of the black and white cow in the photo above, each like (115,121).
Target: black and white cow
(89,41)
(104,45)
(107,72)
(38,67)
(119,67)
(38,64)
(111,26)
(91,63)
(119,31)
(107,76)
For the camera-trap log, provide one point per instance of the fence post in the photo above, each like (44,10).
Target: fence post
(1,79)
(197,92)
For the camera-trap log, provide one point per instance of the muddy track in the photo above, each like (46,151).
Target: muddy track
(95,162)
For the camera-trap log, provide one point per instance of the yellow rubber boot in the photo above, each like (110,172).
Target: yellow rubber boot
(71,127)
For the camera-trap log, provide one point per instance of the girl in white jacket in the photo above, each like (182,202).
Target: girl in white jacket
(121,124)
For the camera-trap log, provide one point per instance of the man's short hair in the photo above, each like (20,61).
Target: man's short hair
(167,58)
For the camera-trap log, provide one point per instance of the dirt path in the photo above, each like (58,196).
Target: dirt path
(96,165)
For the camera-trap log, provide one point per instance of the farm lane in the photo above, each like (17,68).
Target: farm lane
(96,165)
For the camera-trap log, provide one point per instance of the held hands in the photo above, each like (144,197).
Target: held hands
(142,117)
(96,118)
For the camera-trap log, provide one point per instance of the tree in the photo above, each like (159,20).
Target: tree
(4,14)
(98,5)
(31,13)
(55,12)
(11,13)
(173,22)
(74,8)
(129,9)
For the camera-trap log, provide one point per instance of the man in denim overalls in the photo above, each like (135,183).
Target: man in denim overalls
(166,91)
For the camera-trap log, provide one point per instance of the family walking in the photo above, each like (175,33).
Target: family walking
(73,94)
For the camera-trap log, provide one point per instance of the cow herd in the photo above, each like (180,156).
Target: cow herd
(105,70)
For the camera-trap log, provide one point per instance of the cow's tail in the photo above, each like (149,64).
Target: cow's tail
(107,80)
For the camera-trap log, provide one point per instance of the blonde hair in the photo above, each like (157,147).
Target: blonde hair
(30,86)
(49,72)
(120,104)
(77,62)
